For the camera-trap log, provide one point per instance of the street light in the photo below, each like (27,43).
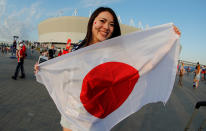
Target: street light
(16,37)
(14,46)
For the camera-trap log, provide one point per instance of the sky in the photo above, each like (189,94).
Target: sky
(21,18)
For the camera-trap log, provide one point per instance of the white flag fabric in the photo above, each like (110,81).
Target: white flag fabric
(98,86)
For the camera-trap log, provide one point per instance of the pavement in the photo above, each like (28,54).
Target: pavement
(25,105)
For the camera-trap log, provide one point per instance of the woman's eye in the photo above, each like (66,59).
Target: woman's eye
(102,21)
(112,24)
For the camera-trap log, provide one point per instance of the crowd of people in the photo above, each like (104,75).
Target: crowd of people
(199,73)
(6,49)
(17,50)
(52,52)
(20,51)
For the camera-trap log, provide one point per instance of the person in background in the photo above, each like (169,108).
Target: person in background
(205,73)
(181,74)
(188,70)
(20,65)
(60,52)
(197,77)
(14,47)
(197,65)
(65,51)
(32,49)
(24,49)
(52,52)
(43,57)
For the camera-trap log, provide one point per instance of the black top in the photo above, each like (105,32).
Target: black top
(14,45)
(51,53)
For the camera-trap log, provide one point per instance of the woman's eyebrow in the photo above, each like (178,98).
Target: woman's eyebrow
(102,18)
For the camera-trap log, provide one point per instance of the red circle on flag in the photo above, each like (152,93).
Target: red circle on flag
(107,86)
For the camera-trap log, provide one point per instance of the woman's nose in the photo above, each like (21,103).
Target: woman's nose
(106,26)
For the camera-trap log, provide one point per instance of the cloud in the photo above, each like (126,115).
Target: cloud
(60,12)
(2,7)
(96,3)
(20,22)
(24,21)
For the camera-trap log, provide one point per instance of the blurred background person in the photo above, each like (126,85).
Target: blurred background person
(181,74)
(20,66)
(197,77)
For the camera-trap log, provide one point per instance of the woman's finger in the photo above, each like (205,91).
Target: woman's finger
(176,30)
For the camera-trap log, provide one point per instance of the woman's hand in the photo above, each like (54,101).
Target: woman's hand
(176,30)
(36,68)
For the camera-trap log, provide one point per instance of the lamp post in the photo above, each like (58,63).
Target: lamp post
(15,37)
(14,45)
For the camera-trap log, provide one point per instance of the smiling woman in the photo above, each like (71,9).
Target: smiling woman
(103,27)
(103,24)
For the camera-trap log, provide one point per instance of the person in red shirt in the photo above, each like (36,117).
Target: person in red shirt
(60,53)
(65,51)
(24,49)
(20,65)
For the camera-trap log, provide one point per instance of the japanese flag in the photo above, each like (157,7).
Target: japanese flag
(96,87)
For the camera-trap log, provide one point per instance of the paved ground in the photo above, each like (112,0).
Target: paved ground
(25,105)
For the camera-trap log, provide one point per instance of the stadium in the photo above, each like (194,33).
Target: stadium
(59,29)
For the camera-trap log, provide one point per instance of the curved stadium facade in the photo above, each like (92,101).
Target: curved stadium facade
(59,29)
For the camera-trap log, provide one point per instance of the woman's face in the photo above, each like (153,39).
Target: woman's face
(103,27)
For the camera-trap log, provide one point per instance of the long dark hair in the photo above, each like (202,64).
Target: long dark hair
(116,32)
